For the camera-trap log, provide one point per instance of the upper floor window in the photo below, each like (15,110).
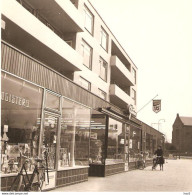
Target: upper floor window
(103,69)
(88,20)
(134,74)
(86,52)
(104,39)
(84,83)
(102,94)
(69,42)
(134,96)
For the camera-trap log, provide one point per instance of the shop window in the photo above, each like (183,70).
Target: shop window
(103,69)
(52,101)
(74,138)
(116,141)
(134,143)
(88,20)
(104,39)
(50,138)
(97,138)
(21,104)
(86,52)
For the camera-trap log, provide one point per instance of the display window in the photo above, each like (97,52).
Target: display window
(74,137)
(52,101)
(116,141)
(97,138)
(21,106)
(50,132)
(134,144)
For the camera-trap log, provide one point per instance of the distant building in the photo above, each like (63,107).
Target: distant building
(182,134)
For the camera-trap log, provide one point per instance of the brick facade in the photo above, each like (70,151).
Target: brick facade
(182,134)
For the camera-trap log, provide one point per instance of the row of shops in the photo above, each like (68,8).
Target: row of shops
(83,134)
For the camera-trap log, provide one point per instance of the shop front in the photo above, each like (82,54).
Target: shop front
(110,146)
(41,110)
(34,119)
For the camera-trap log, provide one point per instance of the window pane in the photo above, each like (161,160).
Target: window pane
(52,101)
(103,69)
(20,121)
(102,94)
(86,52)
(103,39)
(84,83)
(97,138)
(134,74)
(88,20)
(115,149)
(50,138)
(74,139)
(134,143)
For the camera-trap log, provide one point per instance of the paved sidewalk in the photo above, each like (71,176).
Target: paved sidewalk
(176,177)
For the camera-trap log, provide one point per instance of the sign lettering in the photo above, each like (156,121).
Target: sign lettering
(14,99)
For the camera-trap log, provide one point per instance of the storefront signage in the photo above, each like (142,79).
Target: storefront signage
(131,110)
(14,99)
(156,106)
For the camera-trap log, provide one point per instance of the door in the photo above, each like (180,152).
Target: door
(50,133)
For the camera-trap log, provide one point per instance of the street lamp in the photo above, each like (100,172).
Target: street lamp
(160,123)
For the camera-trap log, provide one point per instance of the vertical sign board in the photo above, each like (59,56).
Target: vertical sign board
(156,106)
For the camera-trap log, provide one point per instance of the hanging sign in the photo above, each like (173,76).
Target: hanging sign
(156,106)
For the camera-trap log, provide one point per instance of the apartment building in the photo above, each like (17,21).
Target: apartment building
(67,86)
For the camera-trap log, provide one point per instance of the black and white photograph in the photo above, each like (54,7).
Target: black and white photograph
(96,96)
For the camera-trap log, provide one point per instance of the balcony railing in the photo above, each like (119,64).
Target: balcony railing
(119,97)
(120,73)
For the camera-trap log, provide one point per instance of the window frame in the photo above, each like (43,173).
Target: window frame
(88,13)
(89,83)
(134,73)
(105,94)
(85,44)
(103,61)
(134,95)
(102,33)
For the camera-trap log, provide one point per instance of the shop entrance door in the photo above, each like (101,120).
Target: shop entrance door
(50,132)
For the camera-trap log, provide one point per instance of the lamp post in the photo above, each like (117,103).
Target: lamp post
(160,123)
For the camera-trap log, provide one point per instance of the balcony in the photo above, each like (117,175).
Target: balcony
(119,73)
(62,13)
(119,98)
(29,34)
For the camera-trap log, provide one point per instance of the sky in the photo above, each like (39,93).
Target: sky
(157,36)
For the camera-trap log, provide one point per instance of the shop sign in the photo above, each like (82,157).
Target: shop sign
(156,106)
(131,110)
(14,99)
(51,183)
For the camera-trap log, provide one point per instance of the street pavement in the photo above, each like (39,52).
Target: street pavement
(176,177)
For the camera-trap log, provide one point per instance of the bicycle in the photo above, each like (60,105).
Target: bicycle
(157,161)
(37,179)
